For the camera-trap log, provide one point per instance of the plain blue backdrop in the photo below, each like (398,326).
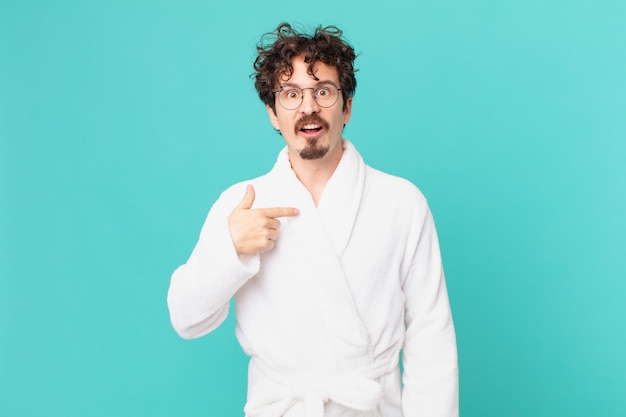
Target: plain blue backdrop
(122,121)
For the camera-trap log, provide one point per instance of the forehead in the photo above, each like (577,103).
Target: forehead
(300,74)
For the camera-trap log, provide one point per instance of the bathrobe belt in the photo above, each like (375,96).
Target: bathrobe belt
(357,390)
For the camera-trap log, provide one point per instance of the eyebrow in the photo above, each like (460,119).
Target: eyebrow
(319,83)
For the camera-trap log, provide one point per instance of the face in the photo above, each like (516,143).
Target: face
(310,131)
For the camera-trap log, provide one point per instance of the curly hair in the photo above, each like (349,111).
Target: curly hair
(277,49)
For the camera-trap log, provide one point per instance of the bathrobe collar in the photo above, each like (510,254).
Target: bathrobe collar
(339,204)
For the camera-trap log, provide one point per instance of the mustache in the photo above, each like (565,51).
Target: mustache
(311,119)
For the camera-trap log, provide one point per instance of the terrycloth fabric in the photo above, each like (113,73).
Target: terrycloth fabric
(324,314)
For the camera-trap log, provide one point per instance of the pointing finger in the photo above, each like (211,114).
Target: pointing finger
(274,212)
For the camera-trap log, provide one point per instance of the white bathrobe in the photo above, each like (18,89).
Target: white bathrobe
(324,314)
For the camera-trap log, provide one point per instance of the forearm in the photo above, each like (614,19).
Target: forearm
(430,362)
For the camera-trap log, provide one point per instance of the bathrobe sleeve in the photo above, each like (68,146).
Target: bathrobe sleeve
(201,289)
(430,363)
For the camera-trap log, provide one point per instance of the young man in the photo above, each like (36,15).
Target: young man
(327,296)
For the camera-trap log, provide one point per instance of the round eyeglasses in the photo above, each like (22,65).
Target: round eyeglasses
(291,97)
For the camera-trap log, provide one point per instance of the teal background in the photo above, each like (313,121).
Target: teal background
(122,121)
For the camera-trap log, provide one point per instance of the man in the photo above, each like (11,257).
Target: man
(327,296)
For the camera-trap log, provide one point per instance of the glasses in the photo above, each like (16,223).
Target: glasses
(291,97)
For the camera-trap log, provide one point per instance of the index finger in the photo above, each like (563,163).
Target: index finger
(274,212)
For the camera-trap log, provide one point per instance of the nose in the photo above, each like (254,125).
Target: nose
(309,105)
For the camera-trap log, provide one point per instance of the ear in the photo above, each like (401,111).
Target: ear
(273,117)
(347,113)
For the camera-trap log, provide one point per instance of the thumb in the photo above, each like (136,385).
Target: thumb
(248,199)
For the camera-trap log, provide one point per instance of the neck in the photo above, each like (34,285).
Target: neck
(315,173)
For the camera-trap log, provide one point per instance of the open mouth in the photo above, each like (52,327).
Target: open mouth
(311,126)
(311,129)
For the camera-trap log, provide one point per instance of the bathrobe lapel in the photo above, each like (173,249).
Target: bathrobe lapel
(322,234)
(345,371)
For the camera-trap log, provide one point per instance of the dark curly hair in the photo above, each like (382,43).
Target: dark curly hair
(277,49)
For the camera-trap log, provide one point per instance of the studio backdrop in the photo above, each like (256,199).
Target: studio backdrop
(122,121)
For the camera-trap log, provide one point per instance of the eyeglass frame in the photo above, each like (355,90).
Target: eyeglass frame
(282,87)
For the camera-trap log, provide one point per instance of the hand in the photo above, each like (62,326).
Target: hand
(255,230)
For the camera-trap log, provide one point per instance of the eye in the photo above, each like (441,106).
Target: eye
(291,94)
(323,92)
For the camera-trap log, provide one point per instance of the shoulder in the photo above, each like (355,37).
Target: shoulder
(393,188)
(396,204)
(395,199)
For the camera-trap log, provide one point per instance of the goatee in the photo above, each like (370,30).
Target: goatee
(312,151)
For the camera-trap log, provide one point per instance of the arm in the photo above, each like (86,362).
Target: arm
(429,354)
(201,289)
(225,257)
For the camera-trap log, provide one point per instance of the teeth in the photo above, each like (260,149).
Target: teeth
(311,126)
